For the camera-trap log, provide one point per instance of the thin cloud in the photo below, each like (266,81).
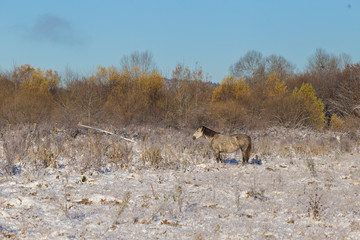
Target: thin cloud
(52,29)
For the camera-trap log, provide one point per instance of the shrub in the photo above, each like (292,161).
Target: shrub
(136,96)
(316,206)
(351,123)
(231,89)
(336,123)
(274,87)
(7,101)
(310,105)
(229,114)
(33,94)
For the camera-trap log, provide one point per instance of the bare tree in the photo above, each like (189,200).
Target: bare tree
(321,62)
(142,60)
(327,73)
(344,60)
(69,76)
(181,72)
(278,64)
(251,66)
(346,100)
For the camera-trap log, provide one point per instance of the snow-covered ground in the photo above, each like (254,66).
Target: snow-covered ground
(303,185)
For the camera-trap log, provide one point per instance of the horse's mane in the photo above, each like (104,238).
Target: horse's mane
(208,131)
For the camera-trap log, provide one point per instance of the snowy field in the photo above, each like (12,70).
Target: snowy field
(55,185)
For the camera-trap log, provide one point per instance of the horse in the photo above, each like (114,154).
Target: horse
(223,143)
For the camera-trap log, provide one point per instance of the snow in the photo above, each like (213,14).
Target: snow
(195,198)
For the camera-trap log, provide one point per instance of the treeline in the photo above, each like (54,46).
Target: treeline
(259,92)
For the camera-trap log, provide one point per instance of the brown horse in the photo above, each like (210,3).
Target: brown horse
(223,143)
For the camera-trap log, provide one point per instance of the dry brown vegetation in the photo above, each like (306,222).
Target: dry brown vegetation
(266,94)
(301,183)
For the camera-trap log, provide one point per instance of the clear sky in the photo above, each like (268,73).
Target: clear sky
(83,34)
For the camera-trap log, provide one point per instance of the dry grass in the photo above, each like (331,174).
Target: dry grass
(44,146)
(16,144)
(119,153)
(152,156)
(175,179)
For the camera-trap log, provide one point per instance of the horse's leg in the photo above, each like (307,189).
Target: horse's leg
(245,155)
(218,158)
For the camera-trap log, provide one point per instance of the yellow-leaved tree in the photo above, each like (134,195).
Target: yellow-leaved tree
(34,100)
(229,102)
(225,91)
(7,100)
(276,101)
(242,90)
(231,89)
(120,101)
(150,93)
(274,87)
(136,95)
(311,107)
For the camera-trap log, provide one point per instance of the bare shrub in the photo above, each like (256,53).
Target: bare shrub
(16,145)
(345,99)
(286,111)
(96,153)
(152,156)
(82,100)
(351,123)
(46,157)
(156,150)
(257,193)
(178,197)
(300,149)
(87,152)
(311,166)
(186,101)
(319,147)
(315,205)
(266,146)
(229,114)
(46,146)
(347,145)
(119,154)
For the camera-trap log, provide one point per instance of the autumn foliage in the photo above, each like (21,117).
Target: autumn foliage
(28,97)
(139,95)
(136,96)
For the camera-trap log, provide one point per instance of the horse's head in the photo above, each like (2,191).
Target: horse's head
(198,133)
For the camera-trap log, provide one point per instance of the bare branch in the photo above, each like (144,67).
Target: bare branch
(107,132)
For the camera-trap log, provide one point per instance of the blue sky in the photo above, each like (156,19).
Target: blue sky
(81,35)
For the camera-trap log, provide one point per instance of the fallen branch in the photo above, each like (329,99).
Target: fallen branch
(107,132)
